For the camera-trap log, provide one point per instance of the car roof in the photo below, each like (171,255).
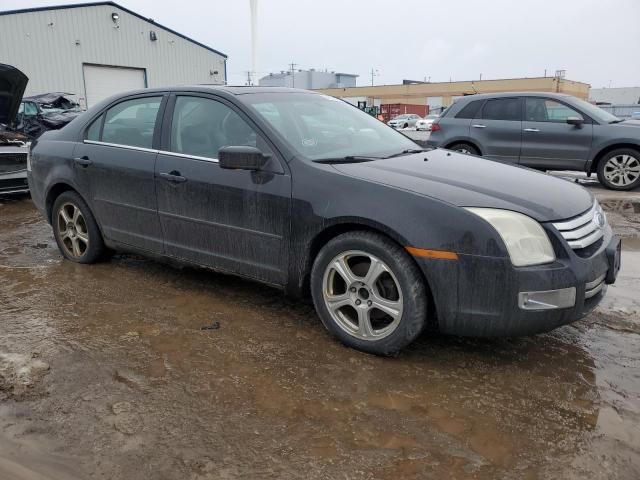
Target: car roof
(228,89)
(483,96)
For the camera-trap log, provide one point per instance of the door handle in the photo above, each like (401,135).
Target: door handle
(173,177)
(531,130)
(479,126)
(83,161)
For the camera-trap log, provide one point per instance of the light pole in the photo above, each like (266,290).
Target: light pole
(374,73)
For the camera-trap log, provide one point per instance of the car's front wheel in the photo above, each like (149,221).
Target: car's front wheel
(369,292)
(75,230)
(620,169)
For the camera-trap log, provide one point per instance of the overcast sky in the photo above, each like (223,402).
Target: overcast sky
(595,41)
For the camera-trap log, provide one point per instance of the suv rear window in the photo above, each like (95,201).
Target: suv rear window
(502,109)
(470,110)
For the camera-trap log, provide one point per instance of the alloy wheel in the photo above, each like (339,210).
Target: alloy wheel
(622,170)
(362,295)
(72,229)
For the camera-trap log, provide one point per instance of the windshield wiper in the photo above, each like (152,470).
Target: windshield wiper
(347,159)
(408,152)
(617,120)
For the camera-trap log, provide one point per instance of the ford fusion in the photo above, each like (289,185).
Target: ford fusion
(306,193)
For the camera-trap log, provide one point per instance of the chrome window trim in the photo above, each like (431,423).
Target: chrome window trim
(151,150)
(118,145)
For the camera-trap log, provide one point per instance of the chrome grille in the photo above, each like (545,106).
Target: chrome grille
(12,162)
(584,230)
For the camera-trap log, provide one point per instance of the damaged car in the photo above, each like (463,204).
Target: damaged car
(14,146)
(384,236)
(49,111)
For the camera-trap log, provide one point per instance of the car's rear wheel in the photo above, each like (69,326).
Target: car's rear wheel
(75,230)
(464,148)
(406,125)
(620,169)
(369,292)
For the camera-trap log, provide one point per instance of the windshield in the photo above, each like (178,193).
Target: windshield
(595,112)
(318,126)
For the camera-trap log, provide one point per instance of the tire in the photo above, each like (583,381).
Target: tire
(464,148)
(76,231)
(406,125)
(620,169)
(396,285)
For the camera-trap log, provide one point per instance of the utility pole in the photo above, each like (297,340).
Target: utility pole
(248,78)
(293,74)
(374,73)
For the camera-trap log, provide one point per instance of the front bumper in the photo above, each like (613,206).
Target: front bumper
(487,296)
(14,182)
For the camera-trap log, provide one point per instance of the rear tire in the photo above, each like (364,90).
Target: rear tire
(75,229)
(464,148)
(620,169)
(369,292)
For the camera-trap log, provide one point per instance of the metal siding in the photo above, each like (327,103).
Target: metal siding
(50,58)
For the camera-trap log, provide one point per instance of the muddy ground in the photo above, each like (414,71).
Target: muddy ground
(106,373)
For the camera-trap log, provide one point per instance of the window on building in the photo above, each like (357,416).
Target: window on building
(132,122)
(547,110)
(502,109)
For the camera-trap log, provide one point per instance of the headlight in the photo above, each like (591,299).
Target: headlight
(526,240)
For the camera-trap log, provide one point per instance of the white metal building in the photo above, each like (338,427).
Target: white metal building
(308,79)
(95,50)
(615,96)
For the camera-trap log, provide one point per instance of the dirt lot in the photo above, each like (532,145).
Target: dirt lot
(106,373)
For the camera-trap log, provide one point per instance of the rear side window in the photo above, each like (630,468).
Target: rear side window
(131,122)
(93,132)
(470,110)
(502,109)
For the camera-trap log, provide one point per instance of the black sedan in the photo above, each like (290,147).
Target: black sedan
(309,194)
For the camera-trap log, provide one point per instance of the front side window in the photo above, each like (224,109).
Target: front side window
(202,126)
(502,109)
(318,126)
(547,110)
(132,122)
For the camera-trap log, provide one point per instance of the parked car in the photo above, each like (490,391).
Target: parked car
(404,121)
(49,111)
(426,122)
(13,146)
(546,131)
(635,115)
(384,236)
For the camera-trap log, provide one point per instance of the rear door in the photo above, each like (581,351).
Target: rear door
(115,163)
(548,141)
(497,128)
(231,220)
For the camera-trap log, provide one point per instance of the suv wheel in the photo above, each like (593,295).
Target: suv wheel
(464,148)
(369,293)
(620,169)
(75,230)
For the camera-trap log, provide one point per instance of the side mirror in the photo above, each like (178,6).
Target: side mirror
(241,158)
(575,121)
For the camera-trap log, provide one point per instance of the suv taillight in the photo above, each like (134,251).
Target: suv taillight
(435,127)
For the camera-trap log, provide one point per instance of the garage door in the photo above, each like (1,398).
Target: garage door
(101,82)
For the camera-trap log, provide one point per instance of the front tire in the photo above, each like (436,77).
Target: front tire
(620,169)
(369,293)
(75,229)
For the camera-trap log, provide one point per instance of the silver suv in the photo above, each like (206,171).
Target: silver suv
(546,131)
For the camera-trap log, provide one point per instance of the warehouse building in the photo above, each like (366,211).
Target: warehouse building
(439,95)
(95,50)
(309,79)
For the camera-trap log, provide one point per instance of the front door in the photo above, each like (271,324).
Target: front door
(497,129)
(548,141)
(115,164)
(232,220)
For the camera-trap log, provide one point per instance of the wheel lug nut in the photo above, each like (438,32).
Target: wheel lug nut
(369,303)
(358,302)
(353,289)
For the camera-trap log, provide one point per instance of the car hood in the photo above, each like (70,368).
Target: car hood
(12,85)
(469,181)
